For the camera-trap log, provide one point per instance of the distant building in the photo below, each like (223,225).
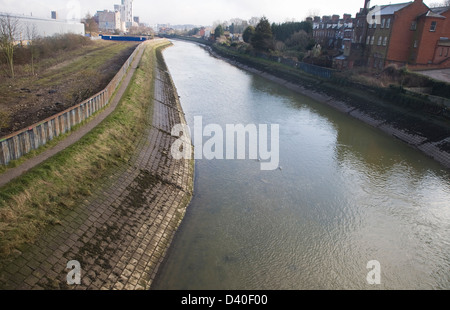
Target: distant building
(44,27)
(128,4)
(126,14)
(165,30)
(404,34)
(431,41)
(331,32)
(109,21)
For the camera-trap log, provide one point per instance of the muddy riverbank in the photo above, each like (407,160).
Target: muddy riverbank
(423,133)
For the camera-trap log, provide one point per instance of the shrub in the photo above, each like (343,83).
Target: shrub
(4,119)
(49,46)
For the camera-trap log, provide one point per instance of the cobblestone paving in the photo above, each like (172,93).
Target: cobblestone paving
(121,235)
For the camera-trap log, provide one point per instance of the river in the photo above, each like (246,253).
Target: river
(346,195)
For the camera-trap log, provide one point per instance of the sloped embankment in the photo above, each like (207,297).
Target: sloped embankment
(121,231)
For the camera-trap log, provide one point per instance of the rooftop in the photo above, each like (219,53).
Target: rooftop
(392,8)
(440,10)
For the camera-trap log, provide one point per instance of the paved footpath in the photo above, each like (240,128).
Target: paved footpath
(121,235)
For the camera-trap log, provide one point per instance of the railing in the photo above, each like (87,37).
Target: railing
(322,72)
(20,143)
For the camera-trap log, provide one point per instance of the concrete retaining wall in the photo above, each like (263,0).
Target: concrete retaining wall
(15,145)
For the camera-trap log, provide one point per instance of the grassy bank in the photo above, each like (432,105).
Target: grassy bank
(59,83)
(31,203)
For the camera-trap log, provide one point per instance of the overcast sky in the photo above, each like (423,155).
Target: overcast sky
(197,12)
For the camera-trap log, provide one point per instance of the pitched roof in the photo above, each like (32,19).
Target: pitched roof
(392,8)
(440,10)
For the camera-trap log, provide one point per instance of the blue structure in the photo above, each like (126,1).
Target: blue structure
(124,38)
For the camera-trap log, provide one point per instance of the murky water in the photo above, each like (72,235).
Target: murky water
(347,194)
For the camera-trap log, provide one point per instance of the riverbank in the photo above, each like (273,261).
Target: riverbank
(60,82)
(119,224)
(422,132)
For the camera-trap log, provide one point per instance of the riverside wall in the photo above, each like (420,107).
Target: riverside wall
(430,138)
(121,234)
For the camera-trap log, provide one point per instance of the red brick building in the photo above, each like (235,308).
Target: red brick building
(329,31)
(430,45)
(404,34)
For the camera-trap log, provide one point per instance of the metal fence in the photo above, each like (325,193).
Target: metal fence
(322,72)
(18,144)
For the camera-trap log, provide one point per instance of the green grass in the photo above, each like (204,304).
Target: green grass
(72,77)
(90,62)
(32,202)
(50,144)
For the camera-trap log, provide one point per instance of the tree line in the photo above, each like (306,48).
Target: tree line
(265,37)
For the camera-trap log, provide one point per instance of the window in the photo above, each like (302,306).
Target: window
(379,40)
(388,23)
(368,40)
(360,39)
(374,24)
(442,50)
(413,25)
(415,44)
(357,23)
(433,26)
(385,41)
(383,22)
(372,40)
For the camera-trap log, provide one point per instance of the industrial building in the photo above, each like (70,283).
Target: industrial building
(44,27)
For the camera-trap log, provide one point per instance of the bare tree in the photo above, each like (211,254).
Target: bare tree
(9,28)
(313,13)
(254,21)
(90,24)
(32,36)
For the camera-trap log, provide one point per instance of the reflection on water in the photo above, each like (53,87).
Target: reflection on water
(347,194)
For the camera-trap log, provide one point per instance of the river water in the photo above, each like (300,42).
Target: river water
(347,194)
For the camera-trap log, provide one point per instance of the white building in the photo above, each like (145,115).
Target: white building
(44,27)
(126,14)
(128,4)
